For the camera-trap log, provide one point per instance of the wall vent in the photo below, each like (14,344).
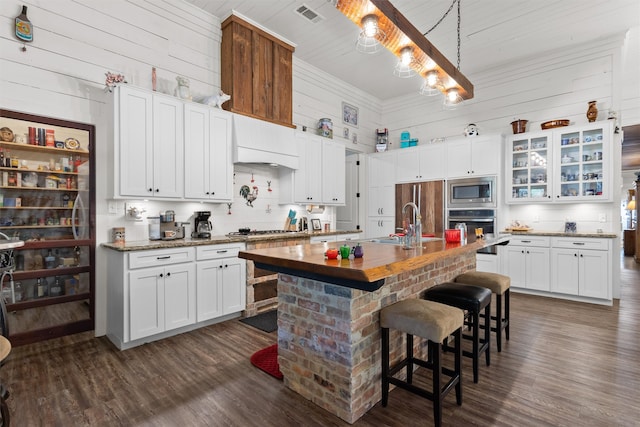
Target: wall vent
(307,13)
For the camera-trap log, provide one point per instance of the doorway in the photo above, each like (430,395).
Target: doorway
(348,216)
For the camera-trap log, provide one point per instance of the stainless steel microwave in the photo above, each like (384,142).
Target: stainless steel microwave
(472,192)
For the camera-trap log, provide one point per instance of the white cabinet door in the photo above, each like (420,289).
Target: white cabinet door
(565,265)
(196,151)
(515,265)
(538,271)
(307,179)
(333,173)
(432,162)
(233,285)
(146,302)
(380,226)
(168,147)
(150,145)
(134,143)
(528,267)
(209,169)
(220,162)
(180,296)
(408,165)
(209,290)
(473,156)
(458,158)
(594,274)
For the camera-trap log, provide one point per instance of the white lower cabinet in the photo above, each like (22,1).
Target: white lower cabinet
(221,280)
(488,263)
(161,299)
(153,294)
(581,267)
(527,262)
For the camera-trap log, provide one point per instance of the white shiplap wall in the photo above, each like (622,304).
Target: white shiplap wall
(62,75)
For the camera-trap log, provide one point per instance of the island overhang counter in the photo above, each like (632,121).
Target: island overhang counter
(328,313)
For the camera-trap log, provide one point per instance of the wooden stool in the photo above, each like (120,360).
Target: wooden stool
(472,299)
(499,285)
(434,322)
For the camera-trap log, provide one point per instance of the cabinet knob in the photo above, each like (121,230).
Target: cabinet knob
(226,265)
(207,193)
(575,254)
(151,190)
(168,274)
(157,190)
(523,251)
(161,275)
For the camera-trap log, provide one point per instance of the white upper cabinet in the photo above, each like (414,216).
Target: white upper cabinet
(333,172)
(149,145)
(568,164)
(208,153)
(473,156)
(422,163)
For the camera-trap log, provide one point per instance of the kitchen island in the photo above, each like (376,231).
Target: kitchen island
(328,313)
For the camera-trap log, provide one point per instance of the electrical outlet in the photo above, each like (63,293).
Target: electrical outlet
(113,207)
(602,217)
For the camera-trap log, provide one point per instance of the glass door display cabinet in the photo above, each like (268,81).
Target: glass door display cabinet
(47,200)
(583,162)
(529,156)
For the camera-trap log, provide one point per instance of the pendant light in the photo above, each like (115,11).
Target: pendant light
(406,63)
(371,36)
(451,99)
(431,84)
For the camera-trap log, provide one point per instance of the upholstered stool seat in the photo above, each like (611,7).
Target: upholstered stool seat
(474,300)
(499,285)
(434,322)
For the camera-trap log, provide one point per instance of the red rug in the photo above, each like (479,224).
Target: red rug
(267,360)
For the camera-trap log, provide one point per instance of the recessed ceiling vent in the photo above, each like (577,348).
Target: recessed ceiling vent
(308,14)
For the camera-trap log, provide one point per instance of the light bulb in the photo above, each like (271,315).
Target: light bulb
(406,56)
(370,25)
(432,78)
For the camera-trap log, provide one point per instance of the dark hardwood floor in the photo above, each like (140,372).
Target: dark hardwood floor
(567,364)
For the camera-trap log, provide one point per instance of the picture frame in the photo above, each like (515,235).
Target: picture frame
(345,133)
(315,224)
(350,114)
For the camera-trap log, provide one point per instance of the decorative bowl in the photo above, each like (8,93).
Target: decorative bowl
(554,124)
(519,126)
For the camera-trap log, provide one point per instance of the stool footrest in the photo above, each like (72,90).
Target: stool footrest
(453,379)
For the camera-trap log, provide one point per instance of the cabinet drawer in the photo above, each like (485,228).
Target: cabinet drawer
(218,251)
(346,237)
(581,243)
(160,257)
(537,241)
(322,239)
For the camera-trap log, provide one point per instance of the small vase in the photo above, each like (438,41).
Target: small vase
(592,112)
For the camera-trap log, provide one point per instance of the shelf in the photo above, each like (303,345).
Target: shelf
(41,149)
(48,272)
(41,302)
(31,227)
(37,188)
(47,172)
(52,244)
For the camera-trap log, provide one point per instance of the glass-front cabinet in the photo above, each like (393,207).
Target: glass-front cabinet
(565,164)
(47,201)
(583,163)
(530,156)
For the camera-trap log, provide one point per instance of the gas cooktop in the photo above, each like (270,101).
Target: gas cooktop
(249,232)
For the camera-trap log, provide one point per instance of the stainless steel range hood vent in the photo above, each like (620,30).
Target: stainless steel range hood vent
(257,141)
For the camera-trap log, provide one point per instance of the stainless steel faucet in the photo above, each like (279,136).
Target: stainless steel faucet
(413,232)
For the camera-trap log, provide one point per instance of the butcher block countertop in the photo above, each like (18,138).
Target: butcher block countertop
(380,261)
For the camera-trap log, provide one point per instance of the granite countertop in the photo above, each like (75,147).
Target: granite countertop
(560,234)
(380,260)
(141,245)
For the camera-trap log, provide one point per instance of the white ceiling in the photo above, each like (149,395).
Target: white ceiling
(493,32)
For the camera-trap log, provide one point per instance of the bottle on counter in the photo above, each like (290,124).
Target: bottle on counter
(56,289)
(41,288)
(50,260)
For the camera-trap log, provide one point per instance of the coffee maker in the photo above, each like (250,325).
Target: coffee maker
(203,227)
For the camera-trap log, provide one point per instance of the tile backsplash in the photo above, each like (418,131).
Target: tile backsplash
(265,214)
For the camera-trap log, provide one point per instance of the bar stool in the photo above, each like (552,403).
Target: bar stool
(499,285)
(5,349)
(433,322)
(472,299)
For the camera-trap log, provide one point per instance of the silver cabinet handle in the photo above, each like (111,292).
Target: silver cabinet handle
(578,243)
(164,257)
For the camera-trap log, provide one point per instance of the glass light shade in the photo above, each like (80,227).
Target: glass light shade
(371,36)
(431,84)
(404,68)
(451,99)
(631,205)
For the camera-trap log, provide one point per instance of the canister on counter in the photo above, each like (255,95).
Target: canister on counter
(118,236)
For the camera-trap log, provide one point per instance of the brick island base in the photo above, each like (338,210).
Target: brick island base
(329,335)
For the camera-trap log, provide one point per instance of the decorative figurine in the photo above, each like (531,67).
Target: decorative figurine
(471,130)
(216,100)
(183,91)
